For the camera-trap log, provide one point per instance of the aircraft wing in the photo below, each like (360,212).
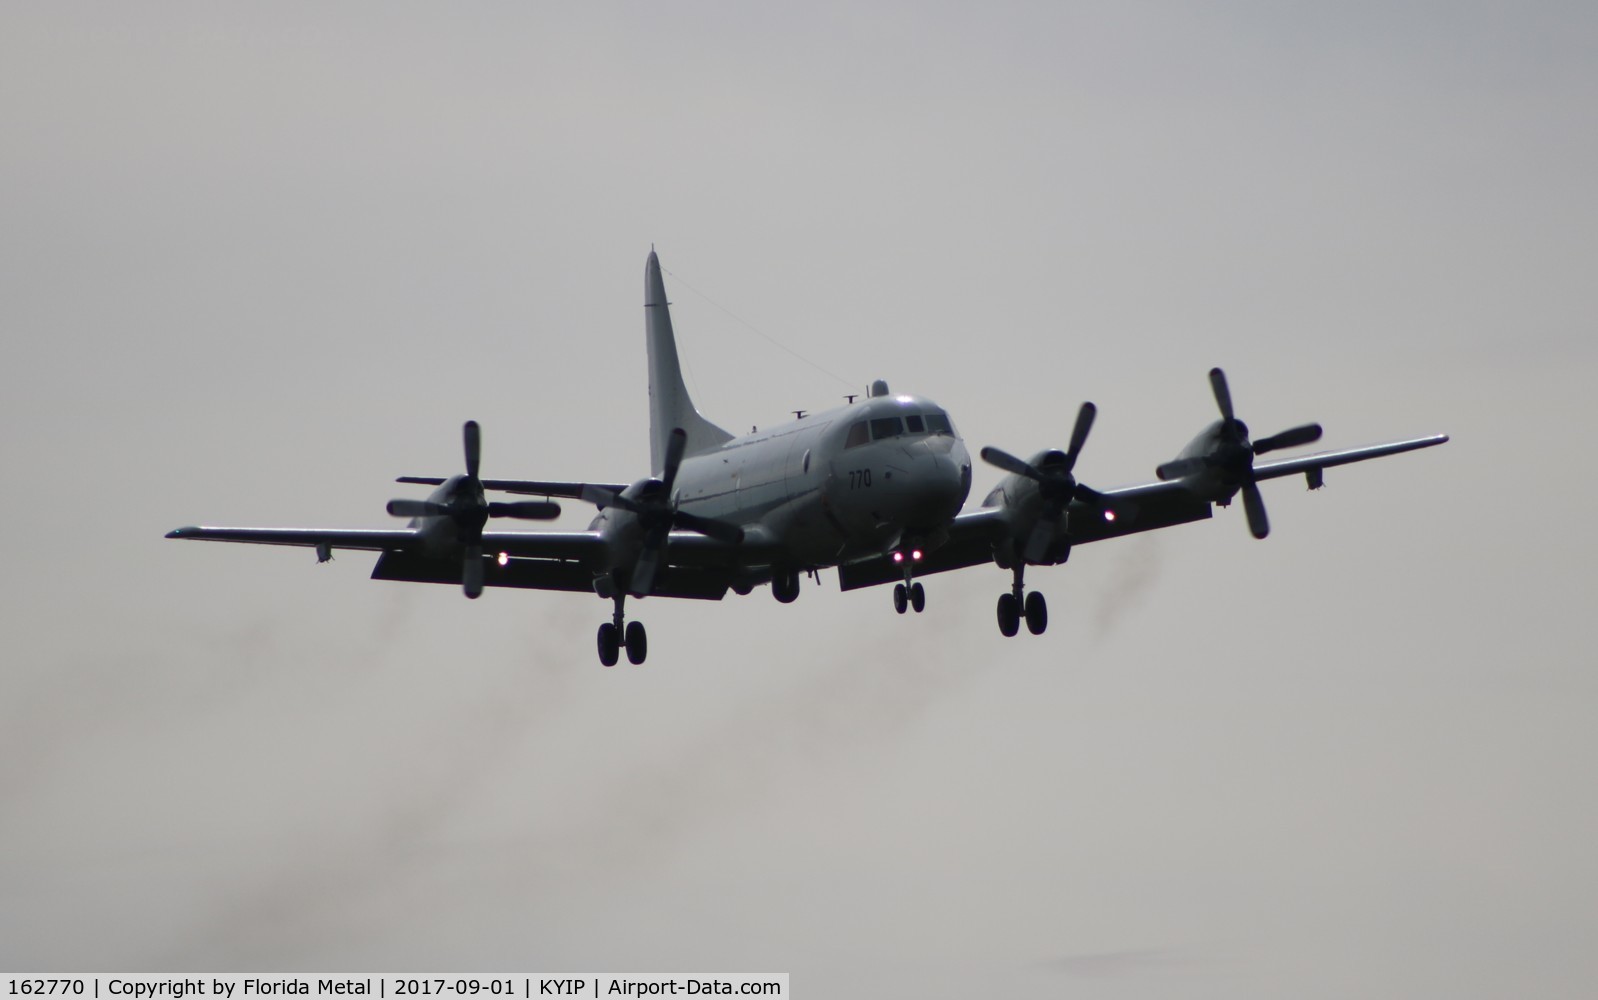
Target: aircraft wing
(1134,509)
(1312,464)
(695,566)
(974,533)
(683,548)
(561,545)
(527,487)
(372,540)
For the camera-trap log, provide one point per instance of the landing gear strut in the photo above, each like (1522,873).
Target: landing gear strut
(618,633)
(1016,604)
(909,593)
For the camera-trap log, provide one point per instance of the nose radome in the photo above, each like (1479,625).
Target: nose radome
(941,489)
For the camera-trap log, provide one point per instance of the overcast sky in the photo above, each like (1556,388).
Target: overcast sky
(257,260)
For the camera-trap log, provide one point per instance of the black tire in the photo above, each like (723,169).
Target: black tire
(918,597)
(637,643)
(1009,615)
(1037,613)
(900,599)
(609,645)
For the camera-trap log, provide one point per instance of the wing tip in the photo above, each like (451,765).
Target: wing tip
(187,531)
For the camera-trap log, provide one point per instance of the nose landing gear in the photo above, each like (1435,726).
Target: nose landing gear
(618,634)
(909,596)
(1017,604)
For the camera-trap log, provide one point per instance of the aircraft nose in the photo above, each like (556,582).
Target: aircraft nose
(945,482)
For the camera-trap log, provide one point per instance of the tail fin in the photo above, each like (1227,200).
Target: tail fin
(669,405)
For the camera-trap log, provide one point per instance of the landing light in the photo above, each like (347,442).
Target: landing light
(1109,515)
(898,557)
(916,555)
(504,559)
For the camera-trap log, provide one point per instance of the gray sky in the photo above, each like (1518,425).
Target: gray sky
(257,261)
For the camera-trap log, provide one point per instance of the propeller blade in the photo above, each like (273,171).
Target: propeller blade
(1009,463)
(675,446)
(472,572)
(472,437)
(1180,467)
(1223,395)
(416,508)
(644,572)
(526,510)
(1079,434)
(602,498)
(721,531)
(1289,439)
(1254,506)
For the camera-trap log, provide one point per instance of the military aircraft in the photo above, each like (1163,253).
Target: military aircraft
(874,488)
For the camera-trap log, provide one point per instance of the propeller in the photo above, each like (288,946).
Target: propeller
(1233,454)
(469,510)
(1056,483)
(658,513)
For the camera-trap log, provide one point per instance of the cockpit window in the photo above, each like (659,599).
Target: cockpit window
(886,427)
(913,424)
(938,423)
(859,434)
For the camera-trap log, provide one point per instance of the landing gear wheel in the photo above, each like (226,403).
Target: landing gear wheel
(918,598)
(1009,615)
(900,599)
(638,642)
(609,645)
(1037,613)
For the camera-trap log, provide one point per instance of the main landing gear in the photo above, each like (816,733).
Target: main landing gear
(1012,607)
(618,634)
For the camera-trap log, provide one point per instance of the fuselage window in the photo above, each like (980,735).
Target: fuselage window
(913,424)
(886,427)
(859,434)
(938,423)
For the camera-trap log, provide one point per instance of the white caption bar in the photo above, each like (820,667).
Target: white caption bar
(386,986)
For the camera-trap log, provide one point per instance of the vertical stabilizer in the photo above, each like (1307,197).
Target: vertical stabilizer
(669,405)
